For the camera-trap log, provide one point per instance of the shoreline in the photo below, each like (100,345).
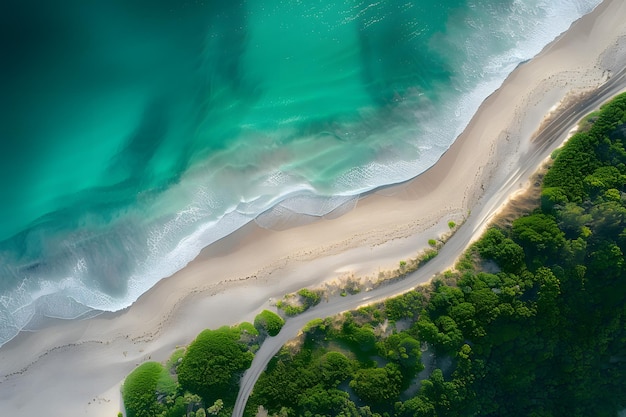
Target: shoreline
(490,160)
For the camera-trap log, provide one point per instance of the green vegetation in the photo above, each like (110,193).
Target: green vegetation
(269,322)
(451,224)
(144,386)
(213,364)
(587,121)
(311,298)
(296,304)
(174,360)
(201,379)
(532,323)
(428,255)
(341,362)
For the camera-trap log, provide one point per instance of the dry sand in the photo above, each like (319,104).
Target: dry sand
(75,368)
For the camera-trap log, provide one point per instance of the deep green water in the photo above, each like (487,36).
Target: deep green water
(134,133)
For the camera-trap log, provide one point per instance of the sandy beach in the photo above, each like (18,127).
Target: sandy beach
(76,367)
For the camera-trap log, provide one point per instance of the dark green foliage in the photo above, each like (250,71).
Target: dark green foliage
(539,234)
(143,387)
(307,299)
(444,297)
(573,164)
(208,373)
(573,220)
(405,306)
(335,368)
(361,337)
(213,364)
(504,251)
(269,322)
(403,349)
(416,406)
(306,381)
(552,197)
(377,385)
(545,335)
(602,179)
(320,401)
(578,168)
(608,219)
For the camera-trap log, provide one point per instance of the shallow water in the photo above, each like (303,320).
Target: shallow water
(135,133)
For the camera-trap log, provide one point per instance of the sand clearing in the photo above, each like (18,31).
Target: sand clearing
(75,367)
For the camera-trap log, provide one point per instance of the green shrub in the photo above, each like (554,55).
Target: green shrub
(142,388)
(311,298)
(213,364)
(432,242)
(377,385)
(269,322)
(451,224)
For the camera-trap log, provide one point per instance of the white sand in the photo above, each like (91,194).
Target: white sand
(74,368)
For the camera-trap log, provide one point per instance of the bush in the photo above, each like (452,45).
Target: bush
(248,328)
(314,325)
(174,360)
(213,363)
(289,309)
(311,298)
(428,255)
(269,322)
(142,387)
(377,385)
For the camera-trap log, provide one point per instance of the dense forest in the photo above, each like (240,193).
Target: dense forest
(531,322)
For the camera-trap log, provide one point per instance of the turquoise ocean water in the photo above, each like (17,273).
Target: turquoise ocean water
(135,133)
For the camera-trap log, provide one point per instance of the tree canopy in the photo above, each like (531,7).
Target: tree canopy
(213,360)
(541,334)
(269,321)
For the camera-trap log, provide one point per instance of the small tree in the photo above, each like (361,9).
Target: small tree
(216,407)
(213,363)
(269,322)
(142,386)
